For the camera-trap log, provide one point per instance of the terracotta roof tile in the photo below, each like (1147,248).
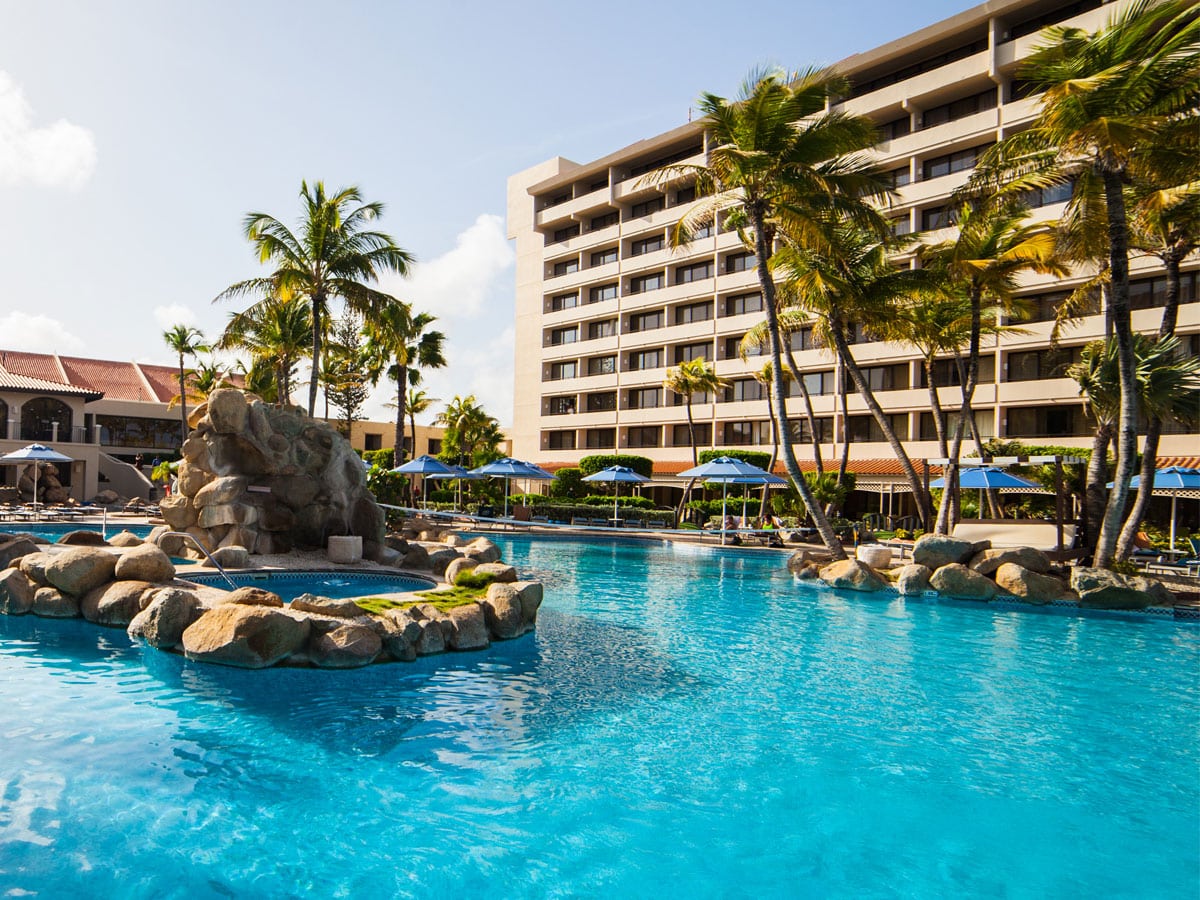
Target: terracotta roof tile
(24,383)
(118,380)
(163,379)
(32,365)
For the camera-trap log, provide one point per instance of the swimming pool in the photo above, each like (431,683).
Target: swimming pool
(683,723)
(52,531)
(290,585)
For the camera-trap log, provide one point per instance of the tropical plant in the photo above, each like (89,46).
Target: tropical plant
(417,403)
(334,256)
(277,334)
(472,436)
(590,465)
(345,372)
(400,344)
(993,246)
(1108,99)
(693,377)
(185,341)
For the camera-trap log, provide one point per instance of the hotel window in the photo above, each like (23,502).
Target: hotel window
(889,131)
(564,234)
(602,365)
(898,177)
(733,347)
(1037,364)
(744,389)
(886,378)
(372,441)
(900,225)
(959,109)
(945,372)
(951,162)
(560,371)
(818,383)
(643,283)
(560,302)
(695,272)
(645,359)
(646,207)
(645,398)
(564,336)
(601,438)
(694,312)
(702,231)
(939,217)
(556,200)
(1055,193)
(598,185)
(740,262)
(865,429)
(602,292)
(743,303)
(602,402)
(566,267)
(803,339)
(1047,421)
(646,321)
(688,352)
(602,329)
(562,406)
(802,434)
(741,434)
(644,436)
(604,257)
(685,195)
(434,446)
(681,438)
(604,221)
(647,245)
(560,440)
(700,398)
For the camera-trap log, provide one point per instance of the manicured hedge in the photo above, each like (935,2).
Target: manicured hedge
(590,465)
(754,457)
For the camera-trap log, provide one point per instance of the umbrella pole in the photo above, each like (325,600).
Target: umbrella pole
(1174,499)
(617,497)
(37,510)
(724,516)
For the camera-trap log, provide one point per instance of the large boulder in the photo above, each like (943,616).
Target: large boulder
(502,611)
(16,592)
(228,411)
(252,596)
(327,606)
(401,632)
(470,631)
(956,580)
(83,538)
(14,549)
(178,511)
(51,603)
(497,572)
(144,563)
(852,575)
(937,550)
(345,646)
(168,614)
(230,557)
(438,560)
(913,580)
(1030,586)
(986,562)
(416,557)
(115,604)
(125,539)
(250,637)
(220,491)
(34,567)
(81,569)
(457,567)
(1102,589)
(531,594)
(482,551)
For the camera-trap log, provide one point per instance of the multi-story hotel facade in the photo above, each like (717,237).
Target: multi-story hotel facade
(604,306)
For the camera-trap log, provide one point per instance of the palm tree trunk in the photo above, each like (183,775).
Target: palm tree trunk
(1118,239)
(844,401)
(183,426)
(935,404)
(949,493)
(808,410)
(316,359)
(864,391)
(1094,491)
(691,430)
(762,249)
(401,383)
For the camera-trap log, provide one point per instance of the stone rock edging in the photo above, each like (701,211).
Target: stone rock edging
(966,570)
(252,628)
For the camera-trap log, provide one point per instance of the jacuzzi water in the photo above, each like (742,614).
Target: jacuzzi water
(291,584)
(683,723)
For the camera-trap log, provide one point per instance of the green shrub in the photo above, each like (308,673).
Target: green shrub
(568,483)
(590,465)
(469,578)
(385,459)
(632,501)
(902,534)
(754,457)
(733,507)
(388,487)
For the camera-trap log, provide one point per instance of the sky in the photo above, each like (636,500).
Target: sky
(136,136)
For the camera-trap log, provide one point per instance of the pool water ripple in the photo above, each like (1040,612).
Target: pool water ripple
(681,723)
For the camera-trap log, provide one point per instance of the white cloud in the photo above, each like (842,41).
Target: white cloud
(60,154)
(37,334)
(173,314)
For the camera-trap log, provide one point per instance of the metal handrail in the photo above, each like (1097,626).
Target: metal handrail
(203,549)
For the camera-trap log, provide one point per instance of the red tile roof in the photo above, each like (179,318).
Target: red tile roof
(163,379)
(25,384)
(118,380)
(32,365)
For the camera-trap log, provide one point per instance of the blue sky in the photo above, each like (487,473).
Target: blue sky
(135,136)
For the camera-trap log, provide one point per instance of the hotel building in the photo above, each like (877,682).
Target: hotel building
(604,307)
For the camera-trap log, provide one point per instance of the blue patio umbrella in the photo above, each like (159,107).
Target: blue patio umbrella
(36,454)
(1173,482)
(507,468)
(726,470)
(617,475)
(460,475)
(426,466)
(989,478)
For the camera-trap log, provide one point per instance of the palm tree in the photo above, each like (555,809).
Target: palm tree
(993,247)
(276,333)
(1108,99)
(417,403)
(186,341)
(472,436)
(333,256)
(780,160)
(399,344)
(690,378)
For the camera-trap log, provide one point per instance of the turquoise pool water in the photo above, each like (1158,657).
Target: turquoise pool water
(683,724)
(52,531)
(290,585)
